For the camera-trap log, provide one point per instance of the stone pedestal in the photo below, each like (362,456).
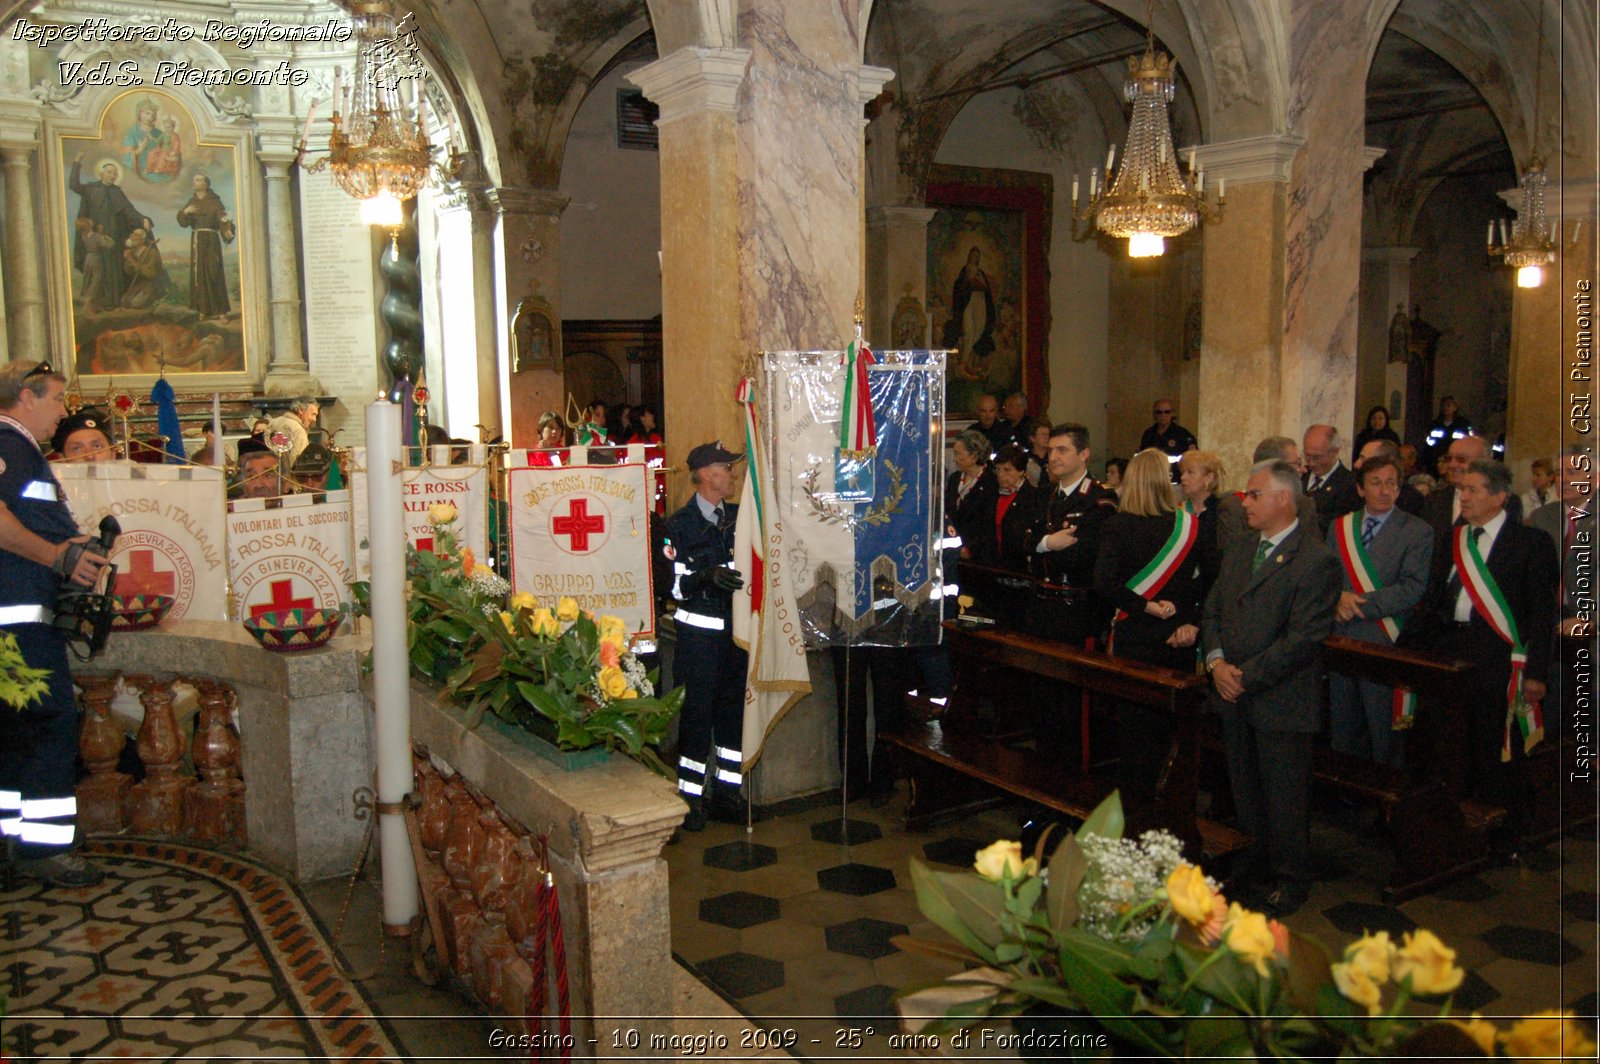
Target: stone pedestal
(103,795)
(304,734)
(606,824)
(157,801)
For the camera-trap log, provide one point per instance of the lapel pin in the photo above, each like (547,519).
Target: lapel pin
(1279,559)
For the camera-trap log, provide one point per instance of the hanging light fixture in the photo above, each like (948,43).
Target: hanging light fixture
(379,151)
(1529,249)
(1148,200)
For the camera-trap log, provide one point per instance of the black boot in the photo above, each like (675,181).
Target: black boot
(696,819)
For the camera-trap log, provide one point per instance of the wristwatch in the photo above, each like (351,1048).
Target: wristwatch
(1211,666)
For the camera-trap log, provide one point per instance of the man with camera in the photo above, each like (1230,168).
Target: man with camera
(40,551)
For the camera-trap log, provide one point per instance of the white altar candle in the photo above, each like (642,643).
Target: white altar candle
(1191,161)
(391,665)
(1222,189)
(311,113)
(1491,232)
(1111,158)
(338,90)
(1074,190)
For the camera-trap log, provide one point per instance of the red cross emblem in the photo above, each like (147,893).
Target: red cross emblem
(579,524)
(425,543)
(143,578)
(282,599)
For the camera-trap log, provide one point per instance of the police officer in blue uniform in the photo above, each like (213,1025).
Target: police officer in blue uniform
(699,543)
(39,547)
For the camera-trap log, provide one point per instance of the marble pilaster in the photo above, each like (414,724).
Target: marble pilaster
(24,291)
(287,372)
(1322,275)
(1385,288)
(897,266)
(1242,334)
(491,392)
(697,90)
(530,246)
(1544,326)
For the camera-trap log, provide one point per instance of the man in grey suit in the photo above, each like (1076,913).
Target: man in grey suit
(1569,521)
(1230,511)
(1386,554)
(1262,630)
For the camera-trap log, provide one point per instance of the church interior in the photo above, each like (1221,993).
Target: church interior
(624,202)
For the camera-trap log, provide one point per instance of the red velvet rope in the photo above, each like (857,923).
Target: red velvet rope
(558,950)
(535,1017)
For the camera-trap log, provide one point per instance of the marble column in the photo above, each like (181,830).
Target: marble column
(1385,288)
(25,323)
(1545,405)
(1322,272)
(697,91)
(288,372)
(897,267)
(1242,316)
(491,326)
(530,243)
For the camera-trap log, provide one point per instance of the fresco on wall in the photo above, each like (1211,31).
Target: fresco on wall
(154,243)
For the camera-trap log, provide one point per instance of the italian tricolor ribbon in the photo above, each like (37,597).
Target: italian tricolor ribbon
(746,396)
(1358,569)
(857,430)
(1149,581)
(1491,605)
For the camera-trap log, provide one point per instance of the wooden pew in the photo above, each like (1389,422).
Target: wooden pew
(957,766)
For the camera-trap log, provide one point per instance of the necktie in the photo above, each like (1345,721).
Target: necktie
(1368,529)
(1263,549)
(1316,482)
(721,515)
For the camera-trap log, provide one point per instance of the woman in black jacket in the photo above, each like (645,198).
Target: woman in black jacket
(1378,428)
(1157,625)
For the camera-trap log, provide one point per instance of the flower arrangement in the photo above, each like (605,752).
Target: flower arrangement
(562,674)
(1128,945)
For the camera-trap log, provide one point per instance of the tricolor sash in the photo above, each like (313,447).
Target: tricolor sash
(1149,581)
(1358,569)
(1491,605)
(857,429)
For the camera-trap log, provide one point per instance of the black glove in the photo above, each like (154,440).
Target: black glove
(726,580)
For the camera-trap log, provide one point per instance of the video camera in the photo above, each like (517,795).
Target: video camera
(84,614)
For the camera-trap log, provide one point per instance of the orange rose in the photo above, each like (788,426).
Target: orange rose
(610,655)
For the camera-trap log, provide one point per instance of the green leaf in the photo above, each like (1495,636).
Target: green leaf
(938,950)
(1042,989)
(1106,820)
(978,902)
(1068,866)
(1310,969)
(937,907)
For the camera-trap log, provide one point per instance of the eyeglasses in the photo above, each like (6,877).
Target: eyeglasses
(1165,410)
(41,370)
(1256,493)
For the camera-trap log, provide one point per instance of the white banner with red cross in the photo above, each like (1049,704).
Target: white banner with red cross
(293,552)
(583,532)
(172,540)
(466,485)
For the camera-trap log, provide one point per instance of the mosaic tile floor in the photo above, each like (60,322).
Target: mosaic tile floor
(179,952)
(792,923)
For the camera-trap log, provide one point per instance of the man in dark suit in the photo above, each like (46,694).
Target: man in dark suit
(1230,511)
(1064,540)
(1261,632)
(1569,521)
(1443,506)
(1520,564)
(1385,553)
(1411,500)
(1326,478)
(1166,435)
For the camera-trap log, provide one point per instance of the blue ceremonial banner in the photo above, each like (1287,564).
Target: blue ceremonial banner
(862,526)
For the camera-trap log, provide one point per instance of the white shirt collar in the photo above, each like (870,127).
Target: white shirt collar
(1277,540)
(1075,485)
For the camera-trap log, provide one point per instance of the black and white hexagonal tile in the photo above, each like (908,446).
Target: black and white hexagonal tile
(850,831)
(740,856)
(739,975)
(856,879)
(874,1002)
(865,937)
(960,852)
(1358,918)
(1531,945)
(738,909)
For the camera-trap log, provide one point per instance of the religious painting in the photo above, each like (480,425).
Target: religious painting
(988,283)
(153,248)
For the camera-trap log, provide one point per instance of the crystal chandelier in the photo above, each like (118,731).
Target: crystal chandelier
(1530,248)
(379,151)
(1148,199)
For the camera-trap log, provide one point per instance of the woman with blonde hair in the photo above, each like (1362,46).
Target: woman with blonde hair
(1200,478)
(1148,569)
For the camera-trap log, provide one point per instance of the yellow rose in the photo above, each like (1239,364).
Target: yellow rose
(1249,937)
(1003,858)
(566,610)
(506,619)
(612,682)
(1480,1031)
(544,622)
(1189,894)
(524,600)
(1430,964)
(1549,1034)
(1357,986)
(613,628)
(441,513)
(1371,954)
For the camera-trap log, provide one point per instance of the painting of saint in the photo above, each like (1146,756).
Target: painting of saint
(155,262)
(975,256)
